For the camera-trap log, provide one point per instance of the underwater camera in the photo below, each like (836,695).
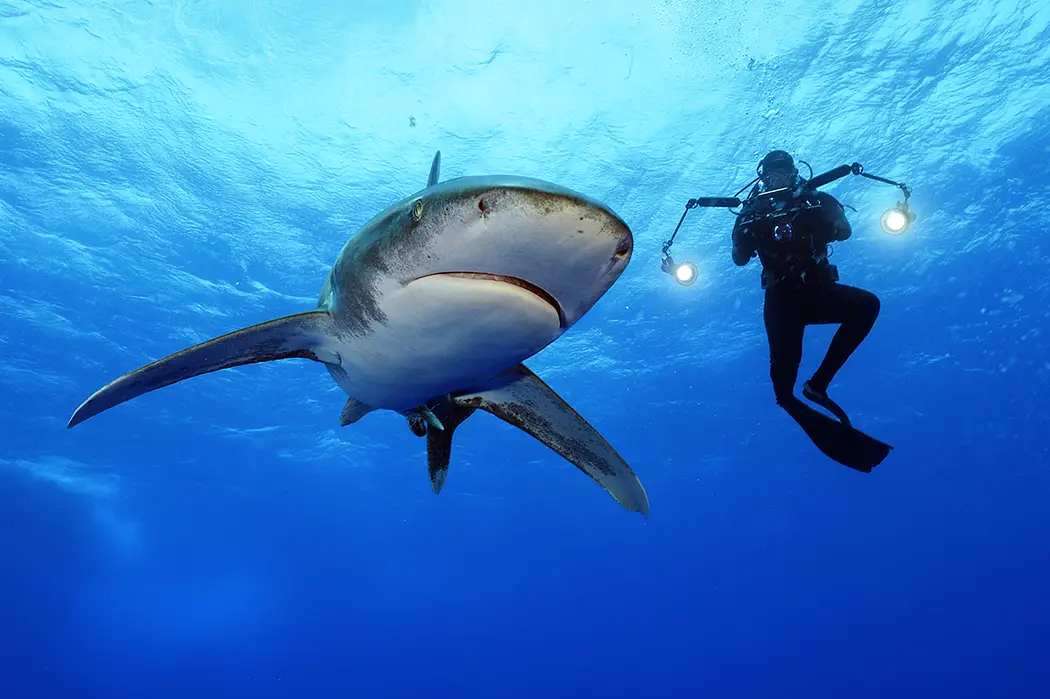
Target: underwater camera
(894,221)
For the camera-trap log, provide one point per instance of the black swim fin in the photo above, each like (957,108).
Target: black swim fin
(821,398)
(843,443)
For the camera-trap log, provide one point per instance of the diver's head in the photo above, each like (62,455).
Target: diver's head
(777,170)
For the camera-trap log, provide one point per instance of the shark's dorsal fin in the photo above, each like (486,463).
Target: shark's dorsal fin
(435,170)
(522,399)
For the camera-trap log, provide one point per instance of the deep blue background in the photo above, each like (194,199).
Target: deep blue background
(170,171)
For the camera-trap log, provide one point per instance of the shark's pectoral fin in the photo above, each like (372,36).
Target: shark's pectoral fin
(525,401)
(353,411)
(303,335)
(439,442)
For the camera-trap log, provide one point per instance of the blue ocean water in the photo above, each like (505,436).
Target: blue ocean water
(171,171)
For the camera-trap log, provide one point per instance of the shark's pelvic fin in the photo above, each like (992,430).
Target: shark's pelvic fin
(525,401)
(435,170)
(303,335)
(353,411)
(439,442)
(417,423)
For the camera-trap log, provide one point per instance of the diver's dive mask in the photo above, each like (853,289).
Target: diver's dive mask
(777,171)
(779,179)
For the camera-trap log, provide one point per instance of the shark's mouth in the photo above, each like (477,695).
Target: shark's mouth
(528,286)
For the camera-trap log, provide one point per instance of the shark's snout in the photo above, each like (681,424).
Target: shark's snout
(576,248)
(558,244)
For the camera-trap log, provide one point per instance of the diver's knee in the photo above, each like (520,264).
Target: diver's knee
(871,307)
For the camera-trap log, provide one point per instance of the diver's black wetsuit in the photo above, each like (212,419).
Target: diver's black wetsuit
(802,287)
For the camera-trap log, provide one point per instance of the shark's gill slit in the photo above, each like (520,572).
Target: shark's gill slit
(515,281)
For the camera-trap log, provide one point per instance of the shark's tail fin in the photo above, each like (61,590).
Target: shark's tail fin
(439,442)
(302,335)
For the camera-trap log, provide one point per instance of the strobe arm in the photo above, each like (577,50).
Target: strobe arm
(727,202)
(832,175)
(856,169)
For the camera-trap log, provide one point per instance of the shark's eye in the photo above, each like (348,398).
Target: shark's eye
(417,210)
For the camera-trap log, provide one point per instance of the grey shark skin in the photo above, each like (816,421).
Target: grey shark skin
(430,310)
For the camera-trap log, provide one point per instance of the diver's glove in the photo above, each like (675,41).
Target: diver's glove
(744,241)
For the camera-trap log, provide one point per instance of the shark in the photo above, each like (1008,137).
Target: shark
(430,310)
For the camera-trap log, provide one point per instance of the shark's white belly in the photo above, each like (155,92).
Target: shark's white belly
(444,334)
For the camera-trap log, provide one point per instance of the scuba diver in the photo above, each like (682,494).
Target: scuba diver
(789,229)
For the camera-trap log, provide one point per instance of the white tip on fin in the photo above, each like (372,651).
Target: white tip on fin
(525,401)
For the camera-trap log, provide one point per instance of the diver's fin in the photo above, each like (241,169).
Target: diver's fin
(821,399)
(303,335)
(353,411)
(522,399)
(435,170)
(439,442)
(846,445)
